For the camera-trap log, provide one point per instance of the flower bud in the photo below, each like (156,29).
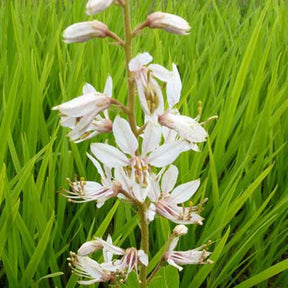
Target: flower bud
(180,230)
(84,31)
(169,22)
(96,6)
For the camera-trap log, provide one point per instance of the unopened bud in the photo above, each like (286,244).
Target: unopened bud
(96,6)
(168,22)
(180,230)
(84,31)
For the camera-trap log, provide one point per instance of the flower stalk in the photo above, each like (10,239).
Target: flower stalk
(139,169)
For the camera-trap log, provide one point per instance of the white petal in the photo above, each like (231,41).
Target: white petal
(88,88)
(96,164)
(172,263)
(109,155)
(184,191)
(84,31)
(124,136)
(160,108)
(108,256)
(140,192)
(143,257)
(140,60)
(89,247)
(89,282)
(169,134)
(92,187)
(68,122)
(160,72)
(150,213)
(169,179)
(142,97)
(174,87)
(78,106)
(81,127)
(190,129)
(151,138)
(115,250)
(173,245)
(166,154)
(154,192)
(122,178)
(108,86)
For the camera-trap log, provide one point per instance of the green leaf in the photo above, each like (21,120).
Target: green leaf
(167,277)
(38,254)
(132,280)
(264,275)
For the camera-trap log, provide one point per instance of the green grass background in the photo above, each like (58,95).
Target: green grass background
(235,61)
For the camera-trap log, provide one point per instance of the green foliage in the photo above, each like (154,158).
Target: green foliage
(166,277)
(234,61)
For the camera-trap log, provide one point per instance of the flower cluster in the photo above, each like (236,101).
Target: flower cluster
(139,168)
(110,269)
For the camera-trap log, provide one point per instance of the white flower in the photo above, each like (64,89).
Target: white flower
(86,191)
(187,128)
(84,266)
(84,31)
(96,6)
(169,22)
(137,167)
(195,256)
(150,94)
(166,202)
(81,114)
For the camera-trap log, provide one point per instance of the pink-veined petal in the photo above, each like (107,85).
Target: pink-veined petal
(109,155)
(169,179)
(124,136)
(184,191)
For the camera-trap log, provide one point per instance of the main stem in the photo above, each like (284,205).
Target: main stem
(128,57)
(133,125)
